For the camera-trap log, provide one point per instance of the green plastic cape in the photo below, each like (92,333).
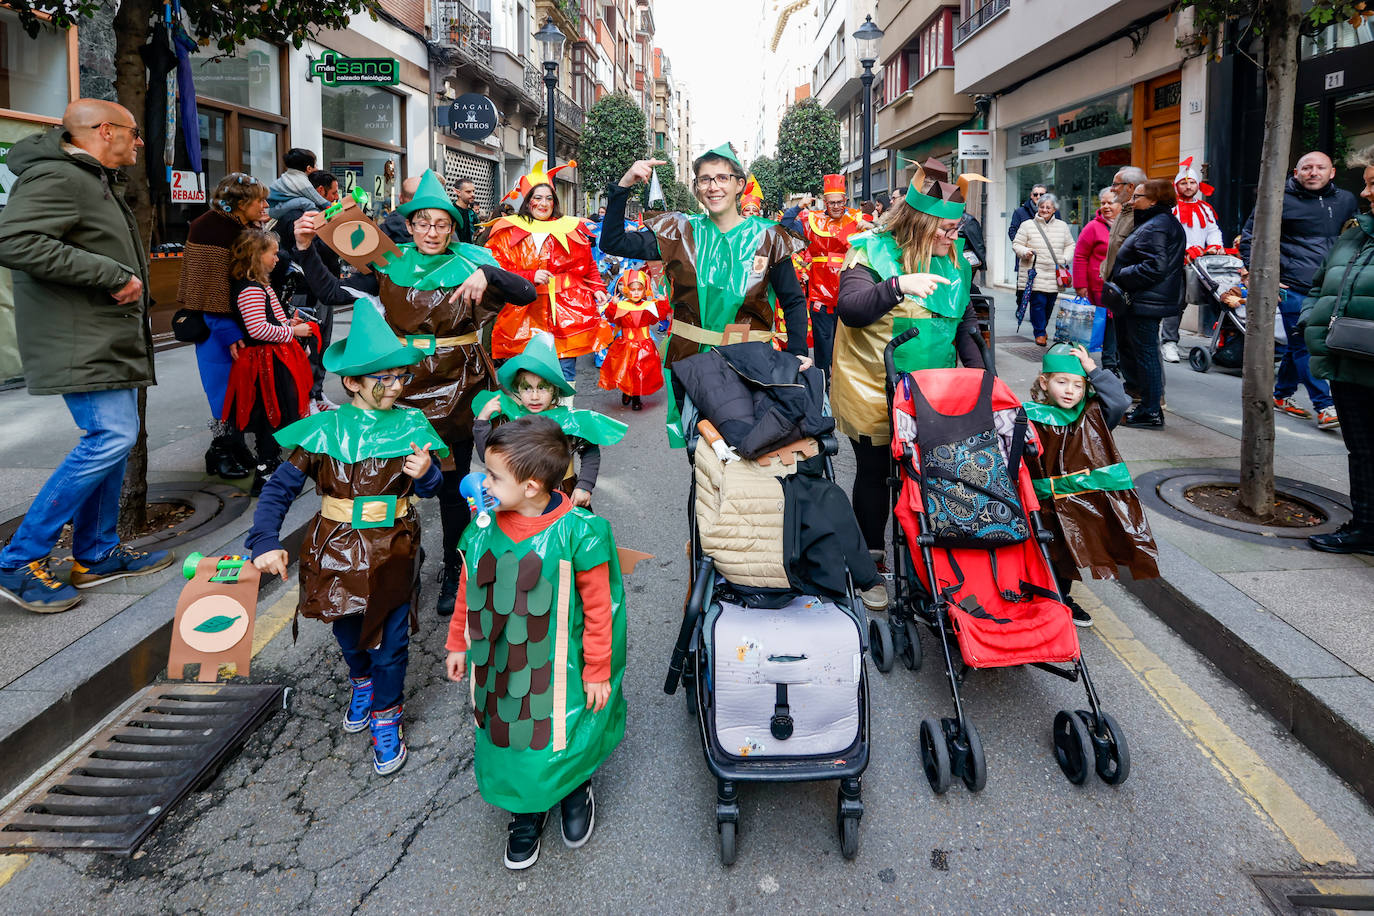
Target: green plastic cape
(933,347)
(524,617)
(351,434)
(598,429)
(437,271)
(1051,415)
(723,264)
(1112,477)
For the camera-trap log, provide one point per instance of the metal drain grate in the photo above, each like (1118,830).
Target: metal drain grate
(1028,352)
(1307,894)
(113,792)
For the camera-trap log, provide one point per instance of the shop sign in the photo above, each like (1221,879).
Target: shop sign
(334,69)
(1099,118)
(471,116)
(975,144)
(187,187)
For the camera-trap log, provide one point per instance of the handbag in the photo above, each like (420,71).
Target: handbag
(189,326)
(1352,338)
(1062,275)
(1116,299)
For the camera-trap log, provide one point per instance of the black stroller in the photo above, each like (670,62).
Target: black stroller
(1216,274)
(775,678)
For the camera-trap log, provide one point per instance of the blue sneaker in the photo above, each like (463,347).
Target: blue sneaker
(33,588)
(388,741)
(118,564)
(356,718)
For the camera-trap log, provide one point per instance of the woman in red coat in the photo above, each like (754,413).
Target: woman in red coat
(1088,255)
(632,363)
(554,252)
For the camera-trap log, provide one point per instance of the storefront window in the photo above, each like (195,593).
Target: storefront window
(33,71)
(361,166)
(369,115)
(249,79)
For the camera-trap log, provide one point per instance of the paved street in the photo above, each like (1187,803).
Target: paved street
(298,822)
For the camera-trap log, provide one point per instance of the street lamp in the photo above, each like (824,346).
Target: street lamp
(867,37)
(550,40)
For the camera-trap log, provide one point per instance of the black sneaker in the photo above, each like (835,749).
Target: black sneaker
(448,592)
(1081,618)
(579,815)
(522,846)
(1349,538)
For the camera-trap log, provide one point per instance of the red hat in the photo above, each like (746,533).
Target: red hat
(834,184)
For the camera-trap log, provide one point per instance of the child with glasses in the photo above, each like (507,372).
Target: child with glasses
(359,562)
(534,384)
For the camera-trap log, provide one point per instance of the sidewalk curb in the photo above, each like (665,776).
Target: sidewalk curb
(47,708)
(1323,702)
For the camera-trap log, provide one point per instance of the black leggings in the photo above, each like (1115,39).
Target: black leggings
(453,508)
(871,498)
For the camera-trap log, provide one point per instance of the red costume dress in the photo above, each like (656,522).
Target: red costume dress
(632,363)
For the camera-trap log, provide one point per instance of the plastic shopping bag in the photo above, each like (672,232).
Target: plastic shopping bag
(1078,321)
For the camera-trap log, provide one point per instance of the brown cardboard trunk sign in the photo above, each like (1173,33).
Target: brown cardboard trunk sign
(353,235)
(214,617)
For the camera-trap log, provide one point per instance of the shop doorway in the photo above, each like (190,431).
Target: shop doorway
(1155,133)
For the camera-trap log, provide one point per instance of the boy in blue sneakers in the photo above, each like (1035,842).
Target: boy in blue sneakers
(360,557)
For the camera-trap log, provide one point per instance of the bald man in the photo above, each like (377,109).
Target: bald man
(80,270)
(1314,210)
(394,225)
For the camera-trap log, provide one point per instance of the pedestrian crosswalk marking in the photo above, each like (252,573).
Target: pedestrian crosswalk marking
(1242,766)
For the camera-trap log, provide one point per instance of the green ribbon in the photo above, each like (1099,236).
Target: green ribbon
(1052,415)
(415,270)
(1113,477)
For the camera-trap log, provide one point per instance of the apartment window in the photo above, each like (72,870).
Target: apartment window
(34,72)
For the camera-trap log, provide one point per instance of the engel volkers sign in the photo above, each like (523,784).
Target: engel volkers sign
(335,70)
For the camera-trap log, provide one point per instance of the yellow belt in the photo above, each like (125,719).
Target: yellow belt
(428,343)
(366,511)
(712,338)
(825,258)
(635,334)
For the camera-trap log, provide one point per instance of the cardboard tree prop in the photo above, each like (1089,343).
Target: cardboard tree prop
(351,233)
(214,617)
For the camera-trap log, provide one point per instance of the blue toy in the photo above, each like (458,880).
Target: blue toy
(473,488)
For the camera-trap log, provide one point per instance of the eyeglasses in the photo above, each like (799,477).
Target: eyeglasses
(422,227)
(389,379)
(1118,184)
(540,386)
(1140,197)
(720,181)
(1036,195)
(137,131)
(951,232)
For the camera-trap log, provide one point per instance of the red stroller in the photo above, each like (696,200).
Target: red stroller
(980,578)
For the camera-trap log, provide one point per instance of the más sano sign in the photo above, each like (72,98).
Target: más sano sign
(336,70)
(1099,118)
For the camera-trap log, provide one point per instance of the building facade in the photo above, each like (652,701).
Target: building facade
(836,83)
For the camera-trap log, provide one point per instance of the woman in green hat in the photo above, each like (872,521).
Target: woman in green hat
(369,459)
(439,295)
(724,269)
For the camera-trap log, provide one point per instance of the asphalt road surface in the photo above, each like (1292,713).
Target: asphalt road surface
(299,823)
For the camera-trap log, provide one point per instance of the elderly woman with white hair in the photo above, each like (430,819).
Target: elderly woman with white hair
(1046,244)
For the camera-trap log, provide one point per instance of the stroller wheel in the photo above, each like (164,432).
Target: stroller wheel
(973,766)
(880,644)
(1199,359)
(911,648)
(1109,745)
(1072,747)
(849,837)
(727,842)
(935,756)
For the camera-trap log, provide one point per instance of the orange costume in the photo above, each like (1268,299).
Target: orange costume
(566,305)
(633,363)
(827,244)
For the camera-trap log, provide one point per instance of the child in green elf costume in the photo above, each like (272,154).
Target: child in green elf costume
(534,384)
(360,557)
(540,621)
(1087,497)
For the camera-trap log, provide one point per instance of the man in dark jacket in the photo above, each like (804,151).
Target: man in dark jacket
(1026,211)
(81,312)
(1314,210)
(394,225)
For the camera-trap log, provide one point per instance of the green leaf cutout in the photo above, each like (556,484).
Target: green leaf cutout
(217,624)
(358,237)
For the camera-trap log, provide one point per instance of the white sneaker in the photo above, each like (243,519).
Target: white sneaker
(875,598)
(1327,419)
(1169,350)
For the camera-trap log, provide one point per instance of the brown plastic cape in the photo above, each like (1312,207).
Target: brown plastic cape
(1098,530)
(449,378)
(347,571)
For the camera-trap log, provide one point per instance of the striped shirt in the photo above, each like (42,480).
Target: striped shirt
(252,305)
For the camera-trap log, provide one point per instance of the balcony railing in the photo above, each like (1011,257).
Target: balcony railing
(989,11)
(534,82)
(460,26)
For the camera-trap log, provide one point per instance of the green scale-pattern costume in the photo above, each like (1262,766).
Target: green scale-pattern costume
(536,740)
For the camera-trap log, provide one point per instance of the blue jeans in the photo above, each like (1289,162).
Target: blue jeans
(569,366)
(1041,304)
(386,664)
(84,490)
(1293,368)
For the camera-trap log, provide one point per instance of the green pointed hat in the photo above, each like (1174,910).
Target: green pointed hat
(726,151)
(1059,358)
(429,195)
(540,358)
(370,345)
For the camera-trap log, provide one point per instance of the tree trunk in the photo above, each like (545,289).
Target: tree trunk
(1257,386)
(131,88)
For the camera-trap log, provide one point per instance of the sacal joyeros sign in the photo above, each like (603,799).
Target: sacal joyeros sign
(336,70)
(471,116)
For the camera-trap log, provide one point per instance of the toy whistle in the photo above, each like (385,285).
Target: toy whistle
(473,488)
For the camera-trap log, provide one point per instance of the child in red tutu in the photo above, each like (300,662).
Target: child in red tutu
(269,384)
(633,363)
